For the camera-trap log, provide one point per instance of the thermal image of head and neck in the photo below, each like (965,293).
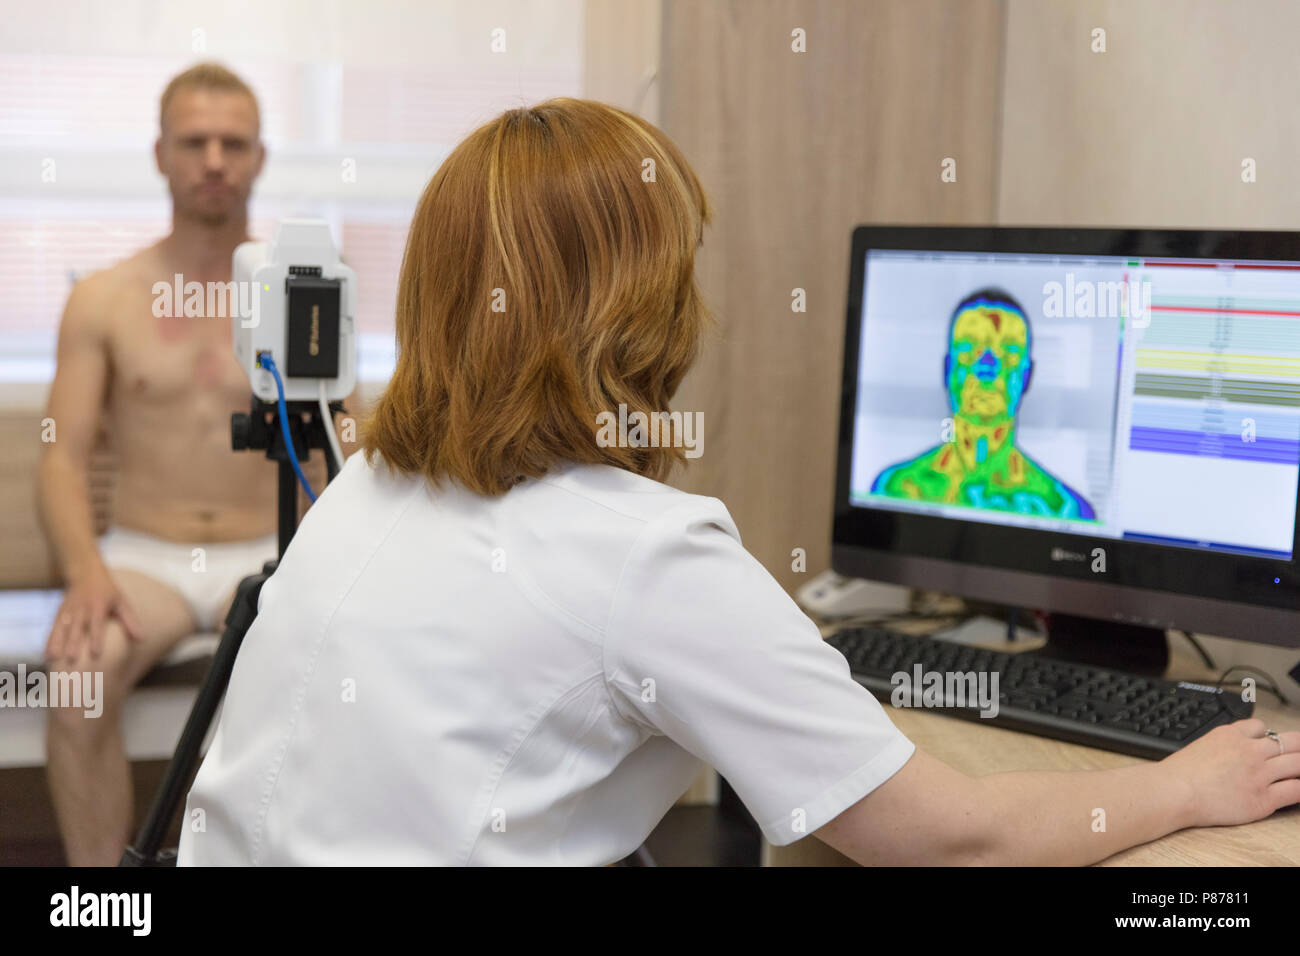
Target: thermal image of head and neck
(986,371)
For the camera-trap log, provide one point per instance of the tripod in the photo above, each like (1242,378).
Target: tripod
(256,431)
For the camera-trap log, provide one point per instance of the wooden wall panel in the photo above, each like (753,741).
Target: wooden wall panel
(795,149)
(26,559)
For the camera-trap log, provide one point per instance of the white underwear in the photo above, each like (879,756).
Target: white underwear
(205,575)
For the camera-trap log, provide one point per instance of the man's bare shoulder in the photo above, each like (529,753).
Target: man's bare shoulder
(144,267)
(95,298)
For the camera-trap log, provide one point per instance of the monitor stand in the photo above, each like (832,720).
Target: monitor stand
(1122,647)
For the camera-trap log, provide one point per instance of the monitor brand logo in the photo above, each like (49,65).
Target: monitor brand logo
(1060,554)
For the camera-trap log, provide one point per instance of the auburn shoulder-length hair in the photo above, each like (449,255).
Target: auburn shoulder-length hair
(548,278)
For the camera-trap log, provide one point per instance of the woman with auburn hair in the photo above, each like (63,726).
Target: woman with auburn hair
(499,638)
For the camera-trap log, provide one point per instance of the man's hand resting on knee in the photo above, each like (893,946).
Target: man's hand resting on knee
(87,606)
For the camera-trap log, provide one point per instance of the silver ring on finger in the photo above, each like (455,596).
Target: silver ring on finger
(1276,739)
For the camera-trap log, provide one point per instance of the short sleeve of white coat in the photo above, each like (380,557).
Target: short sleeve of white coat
(706,648)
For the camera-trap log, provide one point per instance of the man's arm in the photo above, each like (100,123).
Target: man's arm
(929,813)
(63,486)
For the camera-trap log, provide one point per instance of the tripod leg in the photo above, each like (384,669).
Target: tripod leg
(145,851)
(287,504)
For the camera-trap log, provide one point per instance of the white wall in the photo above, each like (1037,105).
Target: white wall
(1154,130)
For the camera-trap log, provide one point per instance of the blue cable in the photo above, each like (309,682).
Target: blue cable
(264,359)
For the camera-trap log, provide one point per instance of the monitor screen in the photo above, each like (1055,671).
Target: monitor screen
(1133,397)
(1097,422)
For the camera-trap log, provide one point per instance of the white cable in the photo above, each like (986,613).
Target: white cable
(647,81)
(328,418)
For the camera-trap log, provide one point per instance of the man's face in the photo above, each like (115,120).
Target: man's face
(210,153)
(988,363)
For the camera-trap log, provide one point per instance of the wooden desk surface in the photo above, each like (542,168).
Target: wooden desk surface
(979,749)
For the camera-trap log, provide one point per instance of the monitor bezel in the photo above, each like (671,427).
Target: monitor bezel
(1155,584)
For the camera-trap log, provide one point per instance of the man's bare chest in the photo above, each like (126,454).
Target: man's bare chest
(171,360)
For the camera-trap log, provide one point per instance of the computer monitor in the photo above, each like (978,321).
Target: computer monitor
(1099,423)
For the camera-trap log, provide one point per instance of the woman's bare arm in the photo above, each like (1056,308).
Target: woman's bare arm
(929,813)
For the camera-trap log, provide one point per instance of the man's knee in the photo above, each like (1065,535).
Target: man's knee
(107,678)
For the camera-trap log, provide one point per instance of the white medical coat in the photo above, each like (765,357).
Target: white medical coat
(435,677)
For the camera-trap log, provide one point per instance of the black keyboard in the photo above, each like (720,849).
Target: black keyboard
(1108,709)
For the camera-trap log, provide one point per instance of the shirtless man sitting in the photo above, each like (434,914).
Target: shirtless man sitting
(166,388)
